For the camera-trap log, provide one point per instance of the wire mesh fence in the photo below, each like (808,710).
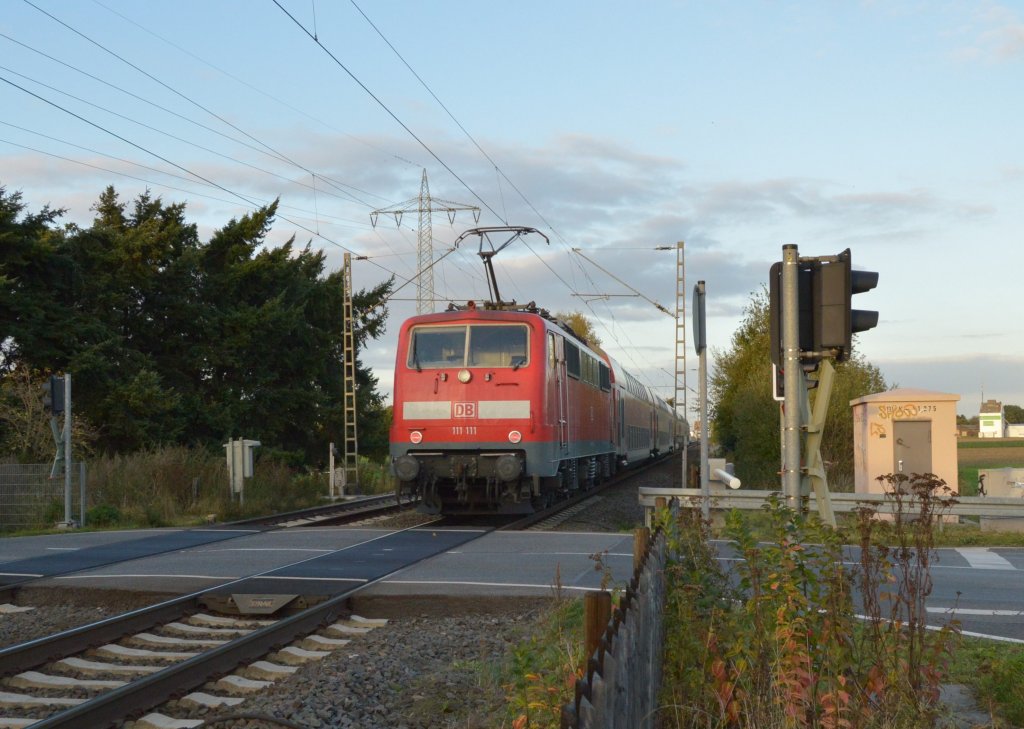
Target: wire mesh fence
(30,499)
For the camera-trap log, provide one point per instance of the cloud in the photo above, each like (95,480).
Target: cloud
(998,37)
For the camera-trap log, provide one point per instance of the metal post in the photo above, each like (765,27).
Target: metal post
(702,376)
(67,449)
(240,449)
(330,466)
(81,493)
(792,375)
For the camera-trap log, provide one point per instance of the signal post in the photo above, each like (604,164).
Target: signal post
(811,319)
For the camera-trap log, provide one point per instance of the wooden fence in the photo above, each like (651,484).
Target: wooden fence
(620,689)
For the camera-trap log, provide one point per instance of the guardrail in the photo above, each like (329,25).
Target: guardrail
(722,498)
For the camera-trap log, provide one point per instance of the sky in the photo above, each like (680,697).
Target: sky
(894,129)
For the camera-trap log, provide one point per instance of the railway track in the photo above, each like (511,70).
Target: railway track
(327,515)
(121,667)
(342,512)
(100,674)
(209,650)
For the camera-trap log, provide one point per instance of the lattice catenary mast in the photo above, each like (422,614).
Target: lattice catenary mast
(425,205)
(680,379)
(351,453)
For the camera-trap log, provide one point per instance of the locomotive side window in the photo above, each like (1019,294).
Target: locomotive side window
(433,347)
(606,380)
(498,346)
(572,360)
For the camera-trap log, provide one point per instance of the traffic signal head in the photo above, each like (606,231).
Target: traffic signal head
(827,319)
(805,278)
(53,395)
(835,321)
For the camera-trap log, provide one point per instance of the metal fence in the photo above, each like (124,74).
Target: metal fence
(30,499)
(620,690)
(722,498)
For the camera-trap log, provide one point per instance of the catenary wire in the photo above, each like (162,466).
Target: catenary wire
(280,155)
(385,108)
(348,197)
(246,200)
(264,93)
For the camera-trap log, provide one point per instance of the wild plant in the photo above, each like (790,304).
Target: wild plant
(903,659)
(775,642)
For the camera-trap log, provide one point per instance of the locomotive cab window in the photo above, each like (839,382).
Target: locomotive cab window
(498,346)
(435,347)
(488,346)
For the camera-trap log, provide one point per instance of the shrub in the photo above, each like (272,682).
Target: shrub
(103,515)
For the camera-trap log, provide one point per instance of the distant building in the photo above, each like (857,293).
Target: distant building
(966,430)
(991,421)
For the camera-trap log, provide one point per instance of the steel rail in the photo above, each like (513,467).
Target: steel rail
(382,503)
(145,693)
(28,655)
(321,514)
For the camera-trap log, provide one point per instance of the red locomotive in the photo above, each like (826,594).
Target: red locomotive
(499,408)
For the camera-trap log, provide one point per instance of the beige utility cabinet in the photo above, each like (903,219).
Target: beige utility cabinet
(906,430)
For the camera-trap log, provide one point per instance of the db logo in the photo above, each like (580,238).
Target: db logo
(464,410)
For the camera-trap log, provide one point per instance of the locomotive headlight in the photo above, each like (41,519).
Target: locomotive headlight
(465,376)
(507,467)
(406,468)
(514,436)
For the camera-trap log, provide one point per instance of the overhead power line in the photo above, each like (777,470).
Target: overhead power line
(248,201)
(384,106)
(260,91)
(279,155)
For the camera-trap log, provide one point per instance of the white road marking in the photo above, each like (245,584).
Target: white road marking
(546,586)
(318,579)
(984,558)
(136,576)
(263,549)
(975,611)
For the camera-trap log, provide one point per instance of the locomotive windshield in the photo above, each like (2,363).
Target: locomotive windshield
(500,345)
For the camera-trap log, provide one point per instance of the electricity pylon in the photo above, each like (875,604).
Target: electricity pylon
(425,206)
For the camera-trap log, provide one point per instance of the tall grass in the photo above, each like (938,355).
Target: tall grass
(176,485)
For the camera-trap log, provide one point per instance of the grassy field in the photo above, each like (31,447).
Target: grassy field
(986,453)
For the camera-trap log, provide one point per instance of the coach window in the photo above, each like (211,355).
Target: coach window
(498,346)
(572,360)
(606,380)
(434,347)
